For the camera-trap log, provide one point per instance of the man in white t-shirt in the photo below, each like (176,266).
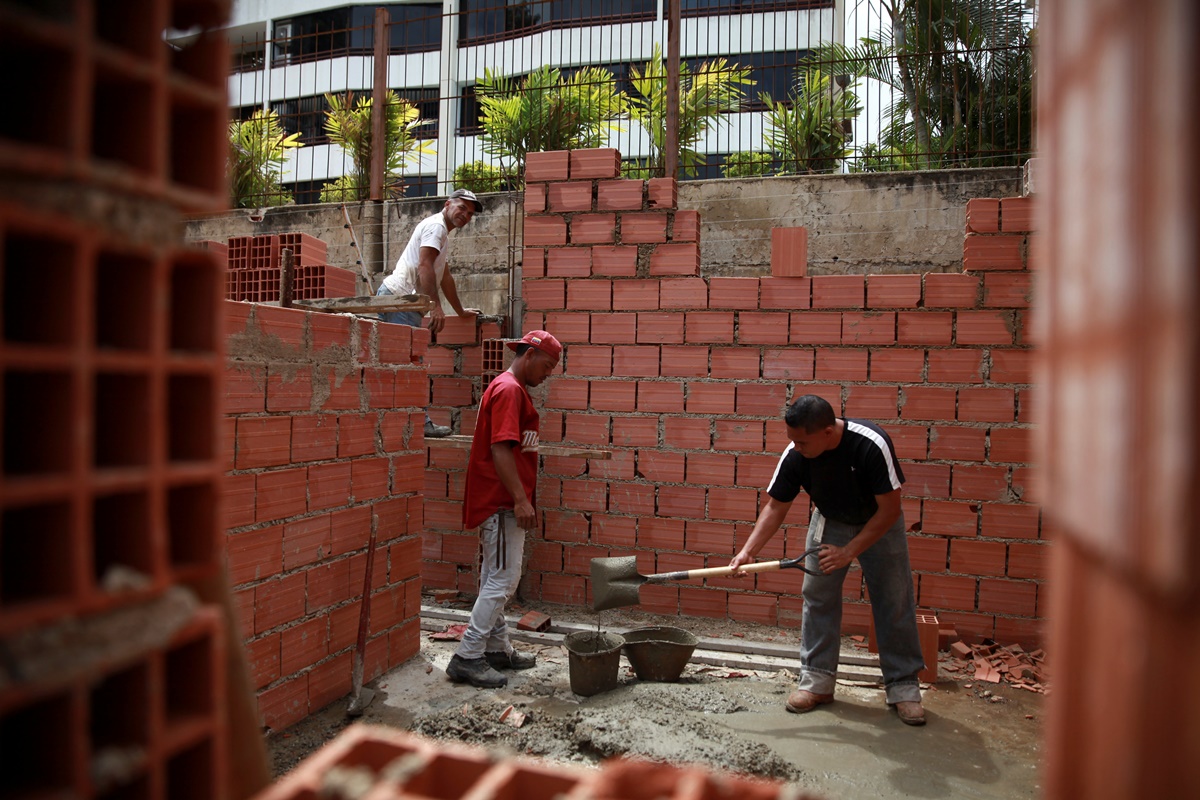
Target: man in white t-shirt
(421,269)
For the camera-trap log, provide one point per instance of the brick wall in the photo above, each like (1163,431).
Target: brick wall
(685,378)
(323,444)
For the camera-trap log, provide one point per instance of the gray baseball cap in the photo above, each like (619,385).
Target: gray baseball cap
(467,194)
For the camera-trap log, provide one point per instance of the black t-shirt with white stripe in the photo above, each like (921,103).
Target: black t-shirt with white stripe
(844,481)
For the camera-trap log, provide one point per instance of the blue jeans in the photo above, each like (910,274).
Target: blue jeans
(889,584)
(410,318)
(503,547)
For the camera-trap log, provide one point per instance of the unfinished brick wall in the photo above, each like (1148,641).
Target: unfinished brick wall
(324,443)
(685,379)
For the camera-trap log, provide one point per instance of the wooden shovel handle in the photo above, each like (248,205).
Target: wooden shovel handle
(713,572)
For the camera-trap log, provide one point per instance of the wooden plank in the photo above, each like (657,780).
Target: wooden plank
(368,305)
(464,443)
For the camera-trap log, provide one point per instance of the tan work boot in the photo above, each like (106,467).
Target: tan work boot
(802,701)
(910,712)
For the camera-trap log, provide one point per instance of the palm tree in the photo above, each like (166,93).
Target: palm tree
(257,150)
(546,111)
(963,74)
(348,123)
(808,131)
(704,96)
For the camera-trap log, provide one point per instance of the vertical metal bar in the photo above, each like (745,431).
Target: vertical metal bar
(378,109)
(287,277)
(671,140)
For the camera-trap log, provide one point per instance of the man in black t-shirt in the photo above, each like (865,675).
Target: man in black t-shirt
(849,469)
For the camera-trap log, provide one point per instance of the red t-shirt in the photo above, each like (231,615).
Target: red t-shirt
(506,414)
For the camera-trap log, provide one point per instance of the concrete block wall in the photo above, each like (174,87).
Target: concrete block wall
(685,378)
(324,444)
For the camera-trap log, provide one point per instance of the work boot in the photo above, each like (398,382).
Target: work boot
(802,701)
(910,712)
(514,660)
(433,431)
(474,671)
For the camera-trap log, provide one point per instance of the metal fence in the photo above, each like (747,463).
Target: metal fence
(765,87)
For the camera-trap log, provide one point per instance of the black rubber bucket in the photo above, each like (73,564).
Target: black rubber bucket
(659,653)
(595,661)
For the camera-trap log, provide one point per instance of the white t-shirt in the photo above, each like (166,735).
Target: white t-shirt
(430,232)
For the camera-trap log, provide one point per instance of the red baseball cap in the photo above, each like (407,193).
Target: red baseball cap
(543,341)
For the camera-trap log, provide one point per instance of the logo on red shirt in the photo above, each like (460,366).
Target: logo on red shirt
(529,441)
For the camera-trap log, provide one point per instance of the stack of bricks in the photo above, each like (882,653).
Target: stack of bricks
(254,268)
(385,762)
(685,379)
(324,445)
(110,486)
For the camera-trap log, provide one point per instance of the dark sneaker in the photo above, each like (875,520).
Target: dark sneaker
(513,660)
(474,671)
(433,431)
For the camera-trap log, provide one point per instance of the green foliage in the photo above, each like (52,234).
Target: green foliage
(962,72)
(748,165)
(481,177)
(257,150)
(704,97)
(806,132)
(348,123)
(545,111)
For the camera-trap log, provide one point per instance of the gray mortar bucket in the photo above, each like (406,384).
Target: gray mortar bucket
(595,661)
(659,653)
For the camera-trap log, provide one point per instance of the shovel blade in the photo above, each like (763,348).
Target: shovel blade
(615,582)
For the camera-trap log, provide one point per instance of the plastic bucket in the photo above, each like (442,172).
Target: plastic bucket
(659,653)
(595,661)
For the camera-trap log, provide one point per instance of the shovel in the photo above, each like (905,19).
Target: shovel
(615,581)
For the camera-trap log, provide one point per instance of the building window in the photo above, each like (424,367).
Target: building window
(490,20)
(412,28)
(306,115)
(706,8)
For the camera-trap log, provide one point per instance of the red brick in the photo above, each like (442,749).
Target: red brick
(540,231)
(703,603)
(789,364)
(982,404)
(743,435)
(1029,633)
(452,392)
(973,557)
(686,433)
(955,366)
(710,398)
(927,480)
(841,364)
(947,591)
(770,327)
(709,537)
(909,441)
(1008,597)
(789,252)
(562,197)
(1001,520)
(635,431)
(593,229)
(660,327)
(1017,214)
(590,360)
(1001,252)
(566,526)
(262,656)
(659,396)
(675,259)
(710,469)
(585,495)
(1028,560)
(586,428)
(683,293)
(733,293)
(303,645)
(395,343)
(589,295)
(533,262)
(1008,290)
(599,162)
(680,501)
(1012,445)
(631,498)
(239,494)
(568,262)
(568,394)
(658,534)
(638,361)
(263,442)
(619,195)
(550,165)
(871,327)
(660,466)
(816,327)
(569,327)
(725,502)
(924,327)
(636,295)
(279,601)
(685,226)
(245,389)
(951,290)
(284,705)
(956,443)
(946,518)
(927,402)
(566,589)
(613,328)
(983,215)
(369,478)
(1011,366)
(708,327)
(547,294)
(893,291)
(662,193)
(985,327)
(838,291)
(286,323)
(281,494)
(329,330)
(350,529)
(412,388)
(684,362)
(872,402)
(615,260)
(643,228)
(735,363)
(289,389)
(757,608)
(901,366)
(928,553)
(785,293)
(255,555)
(420,343)
(761,399)
(535,198)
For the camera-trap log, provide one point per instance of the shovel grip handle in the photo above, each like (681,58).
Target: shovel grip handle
(712,572)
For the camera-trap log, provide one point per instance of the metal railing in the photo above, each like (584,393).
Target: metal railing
(765,87)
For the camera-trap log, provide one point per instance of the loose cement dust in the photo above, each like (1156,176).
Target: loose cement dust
(974,746)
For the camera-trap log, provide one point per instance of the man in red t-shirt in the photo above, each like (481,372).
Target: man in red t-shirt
(499,500)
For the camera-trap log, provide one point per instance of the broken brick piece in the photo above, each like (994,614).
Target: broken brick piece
(961,649)
(534,621)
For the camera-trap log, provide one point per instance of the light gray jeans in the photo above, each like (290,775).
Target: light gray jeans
(499,574)
(889,584)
